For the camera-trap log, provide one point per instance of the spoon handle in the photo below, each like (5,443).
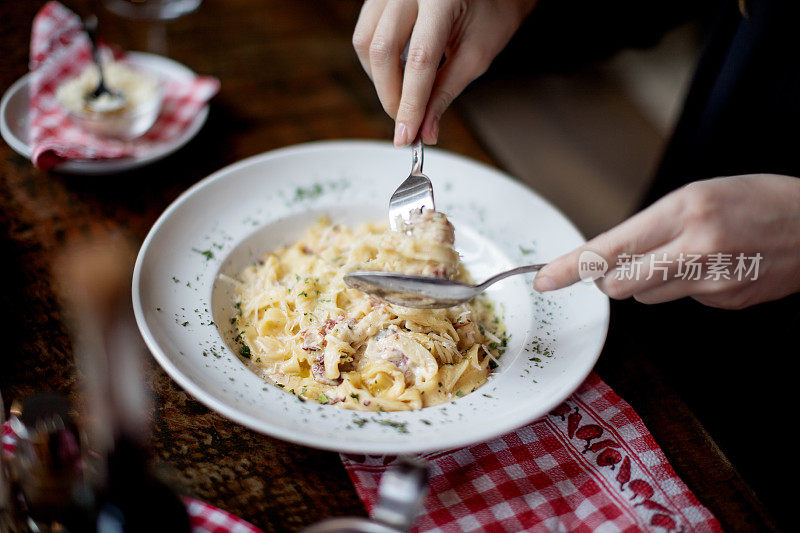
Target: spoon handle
(512,272)
(90,27)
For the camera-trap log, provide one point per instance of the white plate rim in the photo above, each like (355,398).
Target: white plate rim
(258,425)
(109,166)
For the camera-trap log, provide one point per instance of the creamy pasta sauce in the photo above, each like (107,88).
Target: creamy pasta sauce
(305,330)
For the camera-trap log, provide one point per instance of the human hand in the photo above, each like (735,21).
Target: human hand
(468,33)
(748,215)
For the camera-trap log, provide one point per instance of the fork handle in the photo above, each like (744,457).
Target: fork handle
(416,155)
(514,271)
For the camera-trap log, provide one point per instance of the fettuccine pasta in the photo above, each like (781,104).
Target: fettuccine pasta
(305,330)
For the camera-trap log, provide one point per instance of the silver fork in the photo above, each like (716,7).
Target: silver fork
(414,194)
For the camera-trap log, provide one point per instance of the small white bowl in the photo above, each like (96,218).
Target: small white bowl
(125,124)
(133,120)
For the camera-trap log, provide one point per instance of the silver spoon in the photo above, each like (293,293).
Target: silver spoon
(424,292)
(116,99)
(414,194)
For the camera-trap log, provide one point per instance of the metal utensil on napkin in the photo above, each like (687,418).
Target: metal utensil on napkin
(400,496)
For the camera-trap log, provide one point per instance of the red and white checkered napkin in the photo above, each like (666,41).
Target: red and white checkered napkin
(60,50)
(208,519)
(204,518)
(590,465)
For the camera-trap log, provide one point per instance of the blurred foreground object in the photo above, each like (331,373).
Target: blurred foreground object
(94,277)
(64,477)
(5,493)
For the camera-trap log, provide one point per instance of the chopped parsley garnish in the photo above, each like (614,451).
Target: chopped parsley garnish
(208,254)
(245,352)
(307,193)
(323,399)
(402,427)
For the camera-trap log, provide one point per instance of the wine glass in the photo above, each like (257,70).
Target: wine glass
(152,9)
(154,14)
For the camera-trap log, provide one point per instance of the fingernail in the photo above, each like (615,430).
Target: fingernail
(400,134)
(543,284)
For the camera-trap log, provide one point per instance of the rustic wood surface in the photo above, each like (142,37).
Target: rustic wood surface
(288,76)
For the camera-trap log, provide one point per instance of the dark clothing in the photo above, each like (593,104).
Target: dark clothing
(742,113)
(736,368)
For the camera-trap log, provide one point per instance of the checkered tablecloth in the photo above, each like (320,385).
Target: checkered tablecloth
(590,465)
(61,50)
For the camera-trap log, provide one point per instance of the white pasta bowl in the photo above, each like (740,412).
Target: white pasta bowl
(184,306)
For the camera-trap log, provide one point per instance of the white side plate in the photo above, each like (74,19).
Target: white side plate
(14,121)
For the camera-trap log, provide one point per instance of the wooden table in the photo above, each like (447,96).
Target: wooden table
(288,76)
